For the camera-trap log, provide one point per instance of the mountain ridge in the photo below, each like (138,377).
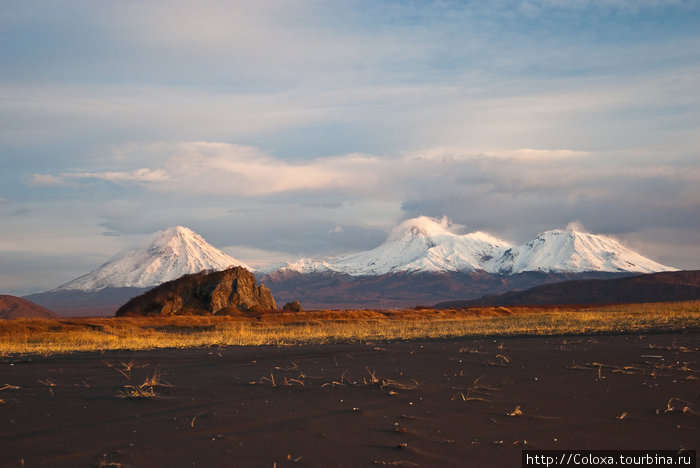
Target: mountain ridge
(333,290)
(427,244)
(667,286)
(434,250)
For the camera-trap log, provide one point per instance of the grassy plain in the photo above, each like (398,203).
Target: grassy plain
(44,336)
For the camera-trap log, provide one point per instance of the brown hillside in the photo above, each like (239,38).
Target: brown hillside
(341,291)
(12,307)
(227,292)
(667,286)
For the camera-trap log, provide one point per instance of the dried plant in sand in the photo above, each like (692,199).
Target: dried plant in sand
(49,383)
(147,389)
(684,408)
(7,387)
(107,464)
(477,391)
(389,385)
(501,360)
(516,412)
(124,369)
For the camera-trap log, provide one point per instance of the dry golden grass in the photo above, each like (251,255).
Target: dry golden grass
(43,336)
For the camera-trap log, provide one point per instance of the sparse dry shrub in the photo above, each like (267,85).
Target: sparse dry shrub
(147,389)
(678,405)
(516,412)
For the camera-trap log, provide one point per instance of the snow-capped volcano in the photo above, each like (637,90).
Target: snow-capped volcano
(571,251)
(427,244)
(420,244)
(165,256)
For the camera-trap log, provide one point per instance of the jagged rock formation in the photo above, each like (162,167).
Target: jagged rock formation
(227,292)
(12,307)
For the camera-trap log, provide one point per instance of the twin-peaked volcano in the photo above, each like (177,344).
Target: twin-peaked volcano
(424,245)
(425,258)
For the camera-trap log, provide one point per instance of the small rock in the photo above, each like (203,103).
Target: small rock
(294,306)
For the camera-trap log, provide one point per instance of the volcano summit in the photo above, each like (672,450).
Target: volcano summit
(165,256)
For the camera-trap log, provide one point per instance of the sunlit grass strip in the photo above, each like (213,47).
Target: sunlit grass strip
(35,336)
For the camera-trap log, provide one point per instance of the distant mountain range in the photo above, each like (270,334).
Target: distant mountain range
(423,260)
(428,245)
(667,286)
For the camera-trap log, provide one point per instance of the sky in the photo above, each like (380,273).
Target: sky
(288,129)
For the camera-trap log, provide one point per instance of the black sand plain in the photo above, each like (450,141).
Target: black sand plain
(439,403)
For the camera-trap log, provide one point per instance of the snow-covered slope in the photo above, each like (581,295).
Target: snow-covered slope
(426,244)
(571,251)
(166,256)
(420,244)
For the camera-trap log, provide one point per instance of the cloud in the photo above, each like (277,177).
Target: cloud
(144,175)
(370,77)
(511,117)
(575,226)
(226,169)
(516,192)
(529,154)
(324,205)
(45,180)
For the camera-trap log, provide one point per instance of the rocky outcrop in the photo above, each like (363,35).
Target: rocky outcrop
(294,306)
(227,292)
